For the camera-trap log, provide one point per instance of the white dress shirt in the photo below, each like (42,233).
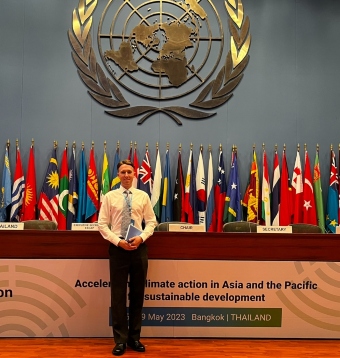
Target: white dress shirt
(110,214)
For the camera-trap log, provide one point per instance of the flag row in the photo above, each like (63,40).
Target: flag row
(69,195)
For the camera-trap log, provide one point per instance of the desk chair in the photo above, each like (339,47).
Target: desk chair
(39,225)
(240,226)
(165,226)
(305,228)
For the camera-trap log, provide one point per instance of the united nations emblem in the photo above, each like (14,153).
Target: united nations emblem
(160,50)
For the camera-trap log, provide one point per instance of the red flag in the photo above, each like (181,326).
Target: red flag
(309,208)
(178,199)
(286,194)
(92,202)
(30,195)
(190,199)
(136,165)
(220,194)
(63,192)
(297,190)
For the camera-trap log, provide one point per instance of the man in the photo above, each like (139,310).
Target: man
(127,257)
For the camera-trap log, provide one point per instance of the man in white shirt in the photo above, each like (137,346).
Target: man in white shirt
(127,257)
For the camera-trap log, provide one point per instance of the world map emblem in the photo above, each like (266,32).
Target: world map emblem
(161,50)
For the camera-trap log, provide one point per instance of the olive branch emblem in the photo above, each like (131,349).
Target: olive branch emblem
(105,91)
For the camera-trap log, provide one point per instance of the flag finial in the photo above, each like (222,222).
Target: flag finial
(135,145)
(284,147)
(167,146)
(104,145)
(220,147)
(191,146)
(180,147)
(66,144)
(201,147)
(275,147)
(131,145)
(8,144)
(147,146)
(298,147)
(317,147)
(254,146)
(331,146)
(209,148)
(17,143)
(157,146)
(82,146)
(92,145)
(74,145)
(32,143)
(263,147)
(305,147)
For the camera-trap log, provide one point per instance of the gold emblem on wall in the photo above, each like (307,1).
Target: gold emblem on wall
(160,50)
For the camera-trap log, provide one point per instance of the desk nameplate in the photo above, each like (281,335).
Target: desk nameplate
(84,226)
(12,226)
(274,229)
(186,228)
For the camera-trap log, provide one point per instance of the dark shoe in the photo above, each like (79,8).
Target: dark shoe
(136,346)
(119,349)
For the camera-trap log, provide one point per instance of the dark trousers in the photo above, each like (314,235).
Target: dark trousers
(122,265)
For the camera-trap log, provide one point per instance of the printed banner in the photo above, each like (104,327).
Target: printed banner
(183,298)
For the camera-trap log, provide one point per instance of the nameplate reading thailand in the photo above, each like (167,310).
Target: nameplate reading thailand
(274,229)
(84,226)
(12,226)
(187,227)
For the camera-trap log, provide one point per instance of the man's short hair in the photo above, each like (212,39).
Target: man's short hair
(126,162)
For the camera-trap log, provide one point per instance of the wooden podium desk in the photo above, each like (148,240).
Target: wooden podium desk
(28,244)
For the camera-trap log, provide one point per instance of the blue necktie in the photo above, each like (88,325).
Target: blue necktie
(126,214)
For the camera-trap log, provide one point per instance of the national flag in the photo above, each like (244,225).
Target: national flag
(308,210)
(244,202)
(178,198)
(285,194)
(6,188)
(105,184)
(156,191)
(135,183)
(220,193)
(72,191)
(130,152)
(190,196)
(265,191)
(228,194)
(145,181)
(211,217)
(253,192)
(233,196)
(297,190)
(63,192)
(167,196)
(332,218)
(30,193)
(92,202)
(49,195)
(200,190)
(81,211)
(115,180)
(318,193)
(276,187)
(17,190)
